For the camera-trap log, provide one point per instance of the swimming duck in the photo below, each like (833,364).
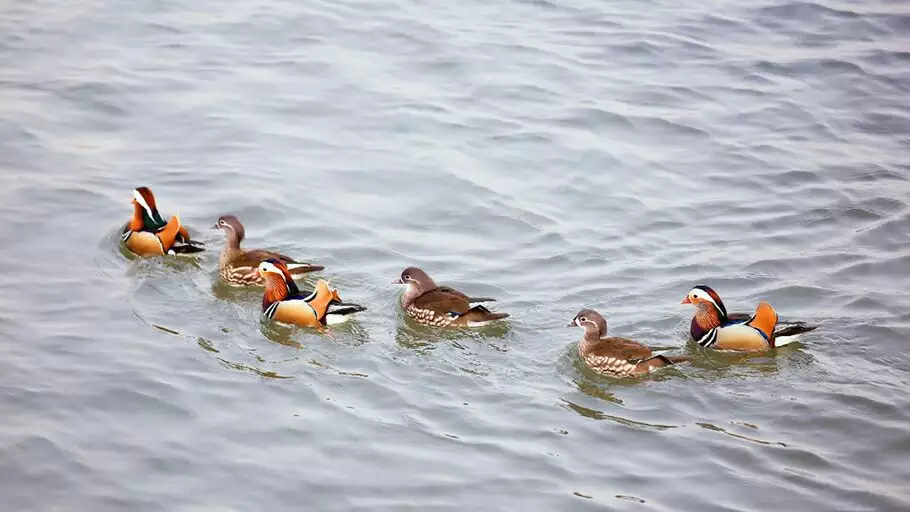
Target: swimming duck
(712,327)
(616,357)
(241,267)
(441,306)
(148,234)
(283,302)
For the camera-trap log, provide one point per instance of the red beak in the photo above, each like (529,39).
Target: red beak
(686,300)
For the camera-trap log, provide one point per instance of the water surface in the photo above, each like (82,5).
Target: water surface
(555,155)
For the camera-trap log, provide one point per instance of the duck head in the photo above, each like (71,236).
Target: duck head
(417,281)
(706,300)
(233,230)
(594,325)
(277,278)
(145,211)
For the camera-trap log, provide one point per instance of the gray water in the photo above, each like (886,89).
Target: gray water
(555,155)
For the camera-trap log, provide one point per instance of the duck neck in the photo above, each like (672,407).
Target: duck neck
(275,290)
(136,223)
(707,317)
(590,340)
(231,249)
(231,240)
(412,291)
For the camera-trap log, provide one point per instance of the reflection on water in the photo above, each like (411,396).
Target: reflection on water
(715,428)
(599,415)
(284,334)
(412,335)
(206,345)
(597,390)
(268,374)
(554,155)
(629,498)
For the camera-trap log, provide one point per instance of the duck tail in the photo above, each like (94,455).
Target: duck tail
(480,315)
(660,360)
(764,319)
(795,329)
(340,312)
(344,308)
(791,333)
(297,269)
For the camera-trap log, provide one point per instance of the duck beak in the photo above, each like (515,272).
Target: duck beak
(216,226)
(397,281)
(686,300)
(572,323)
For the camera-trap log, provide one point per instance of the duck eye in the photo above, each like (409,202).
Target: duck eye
(582,319)
(407,278)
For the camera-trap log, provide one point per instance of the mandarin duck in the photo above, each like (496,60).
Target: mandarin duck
(148,234)
(616,357)
(441,306)
(240,267)
(713,327)
(283,302)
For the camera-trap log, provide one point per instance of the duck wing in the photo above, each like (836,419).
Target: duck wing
(622,348)
(472,300)
(442,301)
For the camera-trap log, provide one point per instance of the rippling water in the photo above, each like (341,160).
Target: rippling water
(555,155)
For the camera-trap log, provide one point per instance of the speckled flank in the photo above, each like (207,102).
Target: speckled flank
(610,365)
(429,318)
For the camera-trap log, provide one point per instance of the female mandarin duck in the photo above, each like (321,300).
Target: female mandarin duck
(283,302)
(616,357)
(712,327)
(147,234)
(441,306)
(241,267)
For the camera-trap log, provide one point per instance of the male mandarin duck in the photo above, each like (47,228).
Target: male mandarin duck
(713,327)
(616,357)
(283,302)
(441,306)
(241,267)
(148,234)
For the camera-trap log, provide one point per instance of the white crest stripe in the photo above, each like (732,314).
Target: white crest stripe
(142,203)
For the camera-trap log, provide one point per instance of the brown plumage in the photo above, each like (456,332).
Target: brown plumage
(617,357)
(441,306)
(240,267)
(147,233)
